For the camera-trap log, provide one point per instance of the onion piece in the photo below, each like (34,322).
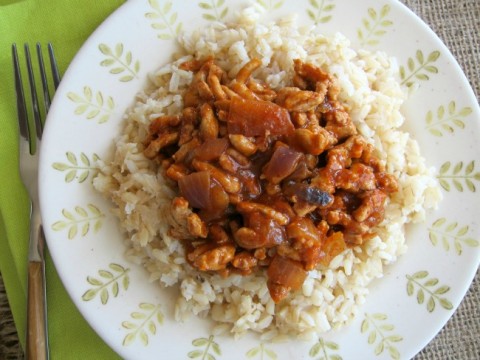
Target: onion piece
(219,201)
(257,117)
(303,227)
(211,149)
(283,163)
(333,246)
(269,232)
(195,187)
(260,232)
(286,272)
(277,292)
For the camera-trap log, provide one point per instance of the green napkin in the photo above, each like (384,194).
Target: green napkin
(66,24)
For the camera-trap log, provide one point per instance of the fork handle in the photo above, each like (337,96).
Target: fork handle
(36,319)
(37,339)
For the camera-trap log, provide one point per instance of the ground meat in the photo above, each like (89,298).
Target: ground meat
(276,180)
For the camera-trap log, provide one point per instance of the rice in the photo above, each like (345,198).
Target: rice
(331,296)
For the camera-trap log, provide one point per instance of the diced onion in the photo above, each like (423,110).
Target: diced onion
(195,188)
(286,272)
(211,149)
(283,163)
(256,118)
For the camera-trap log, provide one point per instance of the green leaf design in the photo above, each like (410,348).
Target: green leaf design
(461,176)
(79,170)
(446,119)
(82,218)
(451,233)
(261,352)
(269,5)
(106,280)
(195,354)
(427,288)
(208,345)
(214,10)
(365,326)
(319,11)
(98,107)
(374,26)
(322,347)
(164,20)
(253,352)
(379,334)
(119,62)
(143,323)
(419,68)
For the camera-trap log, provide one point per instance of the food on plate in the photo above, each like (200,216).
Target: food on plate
(265,173)
(274,179)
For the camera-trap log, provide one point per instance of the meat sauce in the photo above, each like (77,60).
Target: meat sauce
(268,179)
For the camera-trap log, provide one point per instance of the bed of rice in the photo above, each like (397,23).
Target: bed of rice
(330,297)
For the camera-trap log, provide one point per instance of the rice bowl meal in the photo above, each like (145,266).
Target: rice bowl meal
(265,173)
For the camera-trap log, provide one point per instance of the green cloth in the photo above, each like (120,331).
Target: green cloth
(66,24)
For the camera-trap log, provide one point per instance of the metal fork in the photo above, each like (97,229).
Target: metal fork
(29,145)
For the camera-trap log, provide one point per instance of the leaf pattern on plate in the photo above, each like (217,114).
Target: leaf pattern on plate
(323,348)
(80,220)
(164,20)
(109,280)
(99,107)
(446,119)
(261,352)
(120,62)
(419,68)
(77,169)
(270,4)
(320,11)
(460,175)
(374,26)
(206,346)
(427,287)
(214,11)
(379,334)
(143,323)
(451,233)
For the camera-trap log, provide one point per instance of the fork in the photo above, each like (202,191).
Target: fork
(29,145)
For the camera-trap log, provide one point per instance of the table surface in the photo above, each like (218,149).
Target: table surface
(457,23)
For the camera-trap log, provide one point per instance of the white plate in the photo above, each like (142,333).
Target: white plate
(115,296)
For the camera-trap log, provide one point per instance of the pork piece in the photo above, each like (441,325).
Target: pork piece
(209,257)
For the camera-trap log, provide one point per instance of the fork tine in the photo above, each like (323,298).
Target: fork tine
(21,104)
(43,76)
(36,110)
(54,66)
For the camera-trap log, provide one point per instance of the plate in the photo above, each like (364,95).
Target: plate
(405,309)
